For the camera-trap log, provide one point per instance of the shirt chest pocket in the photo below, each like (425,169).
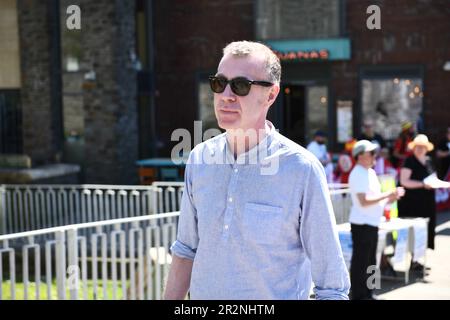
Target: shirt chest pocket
(262,223)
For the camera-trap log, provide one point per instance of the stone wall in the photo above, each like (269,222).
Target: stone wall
(9,45)
(108,102)
(111,139)
(40,137)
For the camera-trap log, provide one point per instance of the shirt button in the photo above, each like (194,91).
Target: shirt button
(235,170)
(226,227)
(230,199)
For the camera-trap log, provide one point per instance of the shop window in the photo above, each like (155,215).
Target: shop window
(206,106)
(10,122)
(72,94)
(317,115)
(294,19)
(391,101)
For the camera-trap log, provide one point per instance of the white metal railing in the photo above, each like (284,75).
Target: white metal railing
(33,207)
(342,202)
(125,258)
(120,259)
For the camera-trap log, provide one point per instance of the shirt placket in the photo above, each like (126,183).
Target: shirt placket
(231,201)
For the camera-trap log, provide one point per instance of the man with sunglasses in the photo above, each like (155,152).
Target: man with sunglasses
(245,232)
(367,208)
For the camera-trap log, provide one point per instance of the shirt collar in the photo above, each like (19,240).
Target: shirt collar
(255,154)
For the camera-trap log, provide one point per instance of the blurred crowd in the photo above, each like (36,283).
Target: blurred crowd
(402,178)
(390,155)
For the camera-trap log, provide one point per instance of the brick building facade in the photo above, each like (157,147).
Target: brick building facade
(138,71)
(413,43)
(102,106)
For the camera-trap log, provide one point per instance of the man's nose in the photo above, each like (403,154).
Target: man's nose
(227,94)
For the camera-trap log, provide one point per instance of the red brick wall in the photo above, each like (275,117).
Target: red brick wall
(420,31)
(191,34)
(189,39)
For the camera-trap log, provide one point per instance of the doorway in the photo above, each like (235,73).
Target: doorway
(304,111)
(294,112)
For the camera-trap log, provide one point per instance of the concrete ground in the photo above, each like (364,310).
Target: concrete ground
(436,283)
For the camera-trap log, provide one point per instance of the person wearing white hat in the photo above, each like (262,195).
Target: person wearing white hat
(365,215)
(419,200)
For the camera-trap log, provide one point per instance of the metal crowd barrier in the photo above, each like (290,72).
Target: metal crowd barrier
(33,207)
(115,245)
(123,259)
(342,202)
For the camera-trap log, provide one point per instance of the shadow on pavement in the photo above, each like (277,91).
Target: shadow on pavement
(445,232)
(442,217)
(392,283)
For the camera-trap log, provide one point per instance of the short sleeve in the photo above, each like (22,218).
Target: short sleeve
(358,182)
(409,163)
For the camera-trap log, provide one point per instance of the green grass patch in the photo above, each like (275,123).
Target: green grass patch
(44,294)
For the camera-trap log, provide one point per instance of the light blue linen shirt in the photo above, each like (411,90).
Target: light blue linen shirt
(253,234)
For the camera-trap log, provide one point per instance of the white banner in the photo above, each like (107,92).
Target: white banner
(420,239)
(345,238)
(401,246)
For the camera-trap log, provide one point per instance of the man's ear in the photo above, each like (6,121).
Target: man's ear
(274,90)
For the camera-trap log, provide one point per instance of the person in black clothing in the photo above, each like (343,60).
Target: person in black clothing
(370,134)
(419,199)
(443,155)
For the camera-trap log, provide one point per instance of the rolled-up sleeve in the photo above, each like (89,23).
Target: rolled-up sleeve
(185,246)
(319,237)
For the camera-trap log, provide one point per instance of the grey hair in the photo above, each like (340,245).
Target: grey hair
(245,48)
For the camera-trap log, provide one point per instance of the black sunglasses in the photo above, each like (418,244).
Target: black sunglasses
(240,85)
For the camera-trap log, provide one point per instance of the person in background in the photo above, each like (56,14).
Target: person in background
(365,216)
(443,156)
(319,149)
(419,199)
(370,134)
(401,151)
(345,162)
(383,165)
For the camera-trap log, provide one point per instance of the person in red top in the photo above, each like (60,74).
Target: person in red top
(401,151)
(383,165)
(346,162)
